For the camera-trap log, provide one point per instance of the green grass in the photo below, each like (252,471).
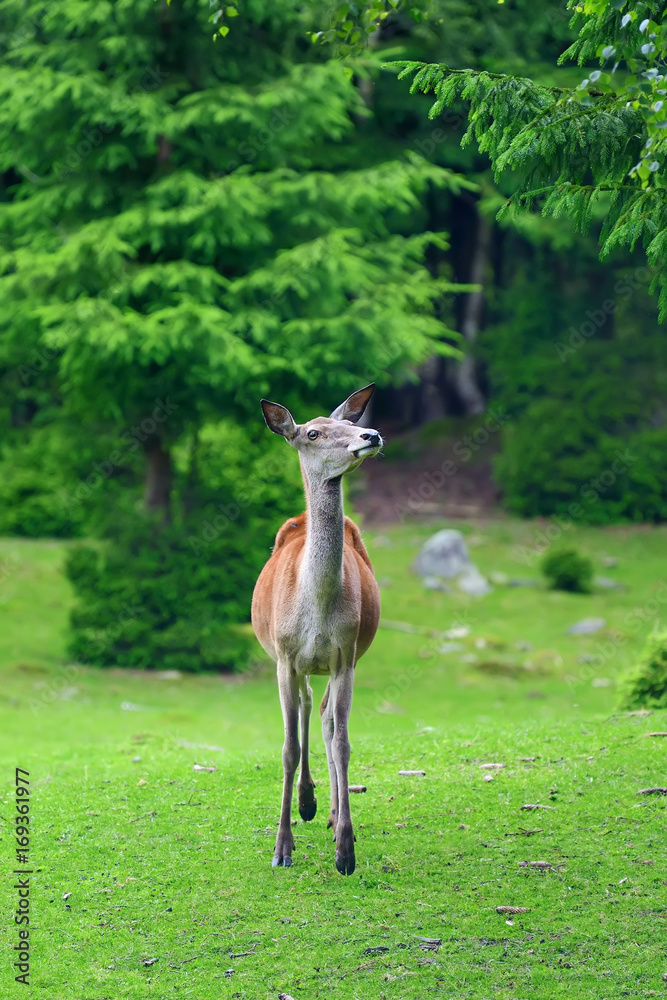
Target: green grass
(170,864)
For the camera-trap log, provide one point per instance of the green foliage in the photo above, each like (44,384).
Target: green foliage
(577,147)
(32,486)
(157,597)
(184,228)
(567,569)
(646,685)
(556,462)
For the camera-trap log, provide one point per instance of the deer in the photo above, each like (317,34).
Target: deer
(315,610)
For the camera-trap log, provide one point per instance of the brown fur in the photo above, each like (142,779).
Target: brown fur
(277,582)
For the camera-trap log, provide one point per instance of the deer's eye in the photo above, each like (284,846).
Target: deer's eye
(313,434)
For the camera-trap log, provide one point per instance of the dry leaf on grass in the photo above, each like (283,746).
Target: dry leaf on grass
(203,767)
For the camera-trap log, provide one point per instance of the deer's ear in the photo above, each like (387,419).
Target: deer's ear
(278,419)
(354,406)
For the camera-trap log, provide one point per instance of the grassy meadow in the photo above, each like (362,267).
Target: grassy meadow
(153,879)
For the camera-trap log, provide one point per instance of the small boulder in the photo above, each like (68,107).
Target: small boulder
(587,626)
(607,583)
(472,582)
(444,554)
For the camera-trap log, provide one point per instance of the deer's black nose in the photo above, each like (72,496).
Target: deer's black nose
(373,437)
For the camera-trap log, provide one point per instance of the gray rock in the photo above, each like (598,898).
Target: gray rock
(444,554)
(435,583)
(607,583)
(587,626)
(472,582)
(451,647)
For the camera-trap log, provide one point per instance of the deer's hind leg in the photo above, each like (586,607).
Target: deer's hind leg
(305,784)
(326,711)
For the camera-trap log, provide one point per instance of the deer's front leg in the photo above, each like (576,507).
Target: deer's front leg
(341,690)
(289,702)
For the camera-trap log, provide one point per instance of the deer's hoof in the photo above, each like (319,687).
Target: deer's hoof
(345,851)
(345,862)
(282,856)
(307,803)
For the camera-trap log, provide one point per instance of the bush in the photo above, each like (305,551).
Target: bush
(646,685)
(555,462)
(178,597)
(567,569)
(33,485)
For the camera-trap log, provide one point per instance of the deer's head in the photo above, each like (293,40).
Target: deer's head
(328,446)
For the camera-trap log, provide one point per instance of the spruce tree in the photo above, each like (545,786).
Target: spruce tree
(182,232)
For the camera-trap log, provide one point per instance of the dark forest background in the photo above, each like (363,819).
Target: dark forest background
(187,225)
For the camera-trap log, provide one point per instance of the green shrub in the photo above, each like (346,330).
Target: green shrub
(33,485)
(567,569)
(555,462)
(646,685)
(151,596)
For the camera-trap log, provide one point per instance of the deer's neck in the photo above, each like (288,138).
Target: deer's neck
(322,568)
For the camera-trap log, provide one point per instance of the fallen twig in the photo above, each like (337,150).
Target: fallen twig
(658,790)
(536,805)
(655,734)
(523,833)
(512,910)
(358,789)
(541,866)
(136,819)
(428,944)
(409,774)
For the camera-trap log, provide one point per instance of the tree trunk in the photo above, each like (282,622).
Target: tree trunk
(465,373)
(157,494)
